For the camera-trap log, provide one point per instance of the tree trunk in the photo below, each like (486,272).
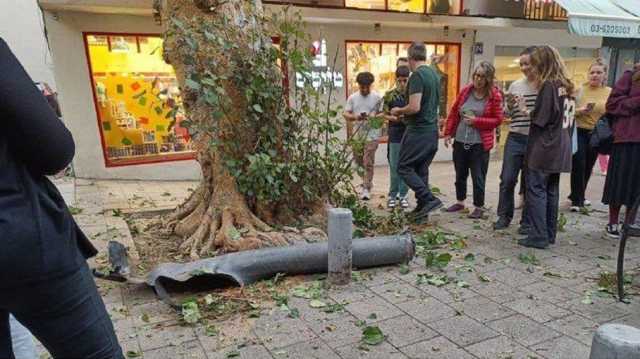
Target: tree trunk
(217,216)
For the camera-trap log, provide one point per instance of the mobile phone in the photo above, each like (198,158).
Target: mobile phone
(591,106)
(363,114)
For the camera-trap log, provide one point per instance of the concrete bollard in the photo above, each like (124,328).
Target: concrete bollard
(339,250)
(616,341)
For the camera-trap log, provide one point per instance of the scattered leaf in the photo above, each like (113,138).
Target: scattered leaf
(459,244)
(294,313)
(317,304)
(133,354)
(372,335)
(562,221)
(462,284)
(191,312)
(470,257)
(372,316)
(484,278)
(404,269)
(211,330)
(232,354)
(74,210)
(529,258)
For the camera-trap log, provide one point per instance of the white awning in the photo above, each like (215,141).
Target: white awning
(607,18)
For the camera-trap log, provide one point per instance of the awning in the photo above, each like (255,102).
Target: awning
(607,18)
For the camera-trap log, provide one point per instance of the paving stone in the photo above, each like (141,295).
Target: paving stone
(549,292)
(514,277)
(254,351)
(232,332)
(151,313)
(125,330)
(436,348)
(281,333)
(110,292)
(189,350)
(355,292)
(380,351)
(427,310)
(160,335)
(314,349)
(463,330)
(397,292)
(449,293)
(499,292)
(563,263)
(404,330)
(575,326)
(500,348)
(482,309)
(523,330)
(537,309)
(378,306)
(130,345)
(134,295)
(339,332)
(562,348)
(602,310)
(380,276)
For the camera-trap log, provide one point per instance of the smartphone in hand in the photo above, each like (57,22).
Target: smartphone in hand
(590,106)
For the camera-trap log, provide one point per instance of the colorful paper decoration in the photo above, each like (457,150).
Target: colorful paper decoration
(119,89)
(142,101)
(106,126)
(135,86)
(159,128)
(144,120)
(126,142)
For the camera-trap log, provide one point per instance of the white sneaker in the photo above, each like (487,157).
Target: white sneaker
(613,231)
(365,196)
(574,209)
(587,203)
(404,203)
(391,203)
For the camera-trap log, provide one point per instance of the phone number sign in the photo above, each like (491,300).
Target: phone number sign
(604,28)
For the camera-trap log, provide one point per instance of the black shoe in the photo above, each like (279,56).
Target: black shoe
(501,223)
(613,231)
(526,242)
(523,231)
(423,213)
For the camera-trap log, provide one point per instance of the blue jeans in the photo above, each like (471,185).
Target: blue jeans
(512,164)
(66,314)
(397,187)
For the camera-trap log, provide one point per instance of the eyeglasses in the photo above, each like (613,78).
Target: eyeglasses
(479,76)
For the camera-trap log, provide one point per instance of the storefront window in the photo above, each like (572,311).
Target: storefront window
(438,7)
(137,100)
(380,58)
(576,60)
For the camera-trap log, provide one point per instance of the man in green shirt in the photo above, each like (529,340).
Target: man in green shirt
(420,142)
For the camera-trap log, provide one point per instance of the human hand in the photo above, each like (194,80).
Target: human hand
(521,103)
(393,118)
(395,111)
(447,141)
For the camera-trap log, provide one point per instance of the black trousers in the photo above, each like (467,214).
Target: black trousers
(582,167)
(512,164)
(470,158)
(67,315)
(417,151)
(542,200)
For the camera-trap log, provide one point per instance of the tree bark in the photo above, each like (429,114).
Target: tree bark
(217,216)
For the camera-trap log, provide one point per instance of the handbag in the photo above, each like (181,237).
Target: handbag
(602,136)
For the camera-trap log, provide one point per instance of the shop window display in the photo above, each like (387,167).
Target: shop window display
(137,99)
(380,58)
(439,7)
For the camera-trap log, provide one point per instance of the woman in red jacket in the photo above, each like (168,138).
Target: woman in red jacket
(471,127)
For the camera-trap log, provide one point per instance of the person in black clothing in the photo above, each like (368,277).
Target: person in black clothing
(44,278)
(549,146)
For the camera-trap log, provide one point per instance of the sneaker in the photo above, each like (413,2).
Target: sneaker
(426,209)
(613,231)
(526,242)
(365,196)
(455,208)
(476,214)
(587,203)
(404,203)
(391,203)
(501,223)
(574,209)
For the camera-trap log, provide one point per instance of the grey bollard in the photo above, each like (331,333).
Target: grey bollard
(340,255)
(616,341)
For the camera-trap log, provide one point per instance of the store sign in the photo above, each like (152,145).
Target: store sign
(604,27)
(321,74)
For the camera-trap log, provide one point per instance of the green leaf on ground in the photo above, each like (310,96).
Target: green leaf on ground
(438,261)
(191,312)
(587,298)
(317,304)
(484,278)
(133,354)
(470,257)
(74,210)
(459,244)
(211,330)
(438,281)
(372,316)
(334,308)
(294,313)
(435,190)
(552,275)
(606,258)
(404,269)
(462,284)
(232,354)
(529,258)
(372,335)
(234,234)
(562,221)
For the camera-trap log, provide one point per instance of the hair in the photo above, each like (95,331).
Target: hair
(528,51)
(600,62)
(365,78)
(403,71)
(550,67)
(417,51)
(489,72)
(401,59)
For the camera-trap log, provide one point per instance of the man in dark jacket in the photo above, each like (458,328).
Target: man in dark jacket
(44,278)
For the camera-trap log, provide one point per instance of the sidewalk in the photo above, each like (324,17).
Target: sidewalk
(499,305)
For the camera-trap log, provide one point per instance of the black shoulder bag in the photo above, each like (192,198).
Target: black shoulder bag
(602,136)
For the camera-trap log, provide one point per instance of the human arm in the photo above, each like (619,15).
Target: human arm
(415,89)
(620,103)
(348,113)
(38,138)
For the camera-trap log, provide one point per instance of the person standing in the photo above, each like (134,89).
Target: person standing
(360,108)
(471,126)
(520,100)
(549,149)
(45,281)
(420,142)
(590,101)
(622,186)
(396,98)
